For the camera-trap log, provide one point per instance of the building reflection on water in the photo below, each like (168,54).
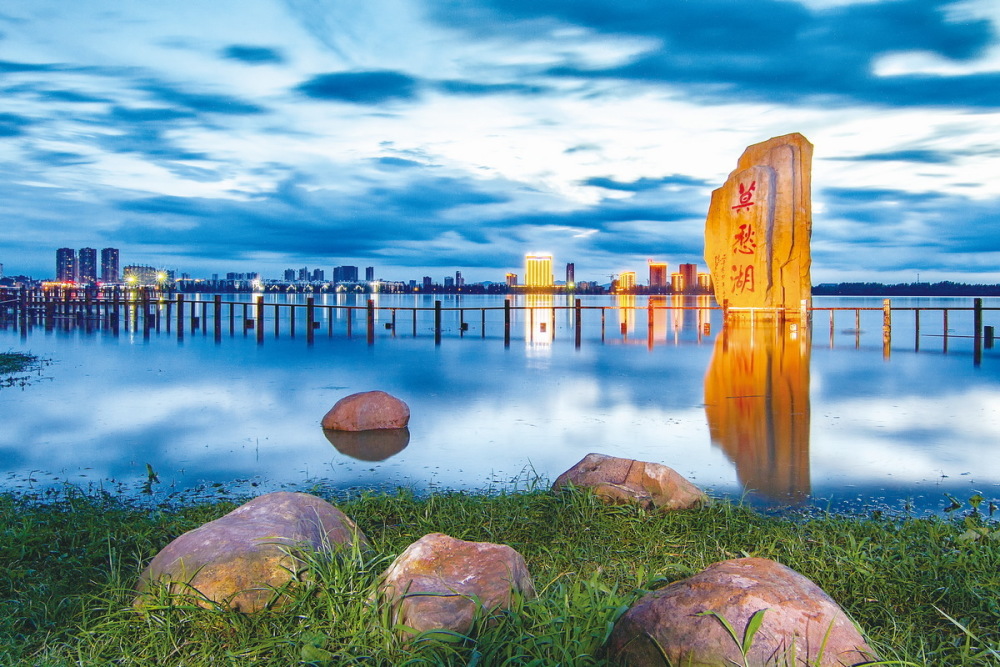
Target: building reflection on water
(539,320)
(757,405)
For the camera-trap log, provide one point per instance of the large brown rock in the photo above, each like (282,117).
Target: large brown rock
(619,481)
(759,225)
(241,559)
(366,411)
(801,625)
(436,582)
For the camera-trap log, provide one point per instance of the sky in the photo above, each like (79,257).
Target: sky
(423,137)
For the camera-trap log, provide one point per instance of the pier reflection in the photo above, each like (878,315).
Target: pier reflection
(757,405)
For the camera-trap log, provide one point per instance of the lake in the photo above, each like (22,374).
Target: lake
(823,415)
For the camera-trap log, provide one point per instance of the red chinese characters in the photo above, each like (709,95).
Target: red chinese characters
(746,195)
(743,278)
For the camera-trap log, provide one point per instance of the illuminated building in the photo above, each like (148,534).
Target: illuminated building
(570,275)
(138,276)
(459,280)
(511,279)
(657,275)
(369,273)
(109,265)
(538,270)
(626,281)
(676,282)
(345,274)
(690,273)
(66,265)
(87,268)
(705,282)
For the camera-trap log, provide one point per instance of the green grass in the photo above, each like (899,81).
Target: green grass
(70,561)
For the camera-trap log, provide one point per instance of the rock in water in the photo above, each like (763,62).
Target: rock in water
(366,411)
(801,623)
(436,583)
(242,558)
(618,481)
(759,226)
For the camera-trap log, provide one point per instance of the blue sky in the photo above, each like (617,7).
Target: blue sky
(425,136)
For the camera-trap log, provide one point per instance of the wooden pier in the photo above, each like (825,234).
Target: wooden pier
(148,311)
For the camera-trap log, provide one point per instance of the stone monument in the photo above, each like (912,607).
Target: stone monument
(758,228)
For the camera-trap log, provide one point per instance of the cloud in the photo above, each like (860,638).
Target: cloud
(253,55)
(770,50)
(200,102)
(371,88)
(644,184)
(12,125)
(920,156)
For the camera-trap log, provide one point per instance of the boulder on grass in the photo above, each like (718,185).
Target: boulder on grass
(680,624)
(244,558)
(436,582)
(366,411)
(620,481)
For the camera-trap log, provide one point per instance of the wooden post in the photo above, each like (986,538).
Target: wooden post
(329,321)
(988,334)
(291,320)
(260,320)
(277,320)
(578,323)
(232,318)
(310,320)
(217,316)
(393,322)
(916,329)
(350,321)
(414,321)
(886,327)
(649,324)
(437,322)
(371,321)
(461,322)
(944,319)
(180,316)
(194,317)
(602,323)
(482,323)
(506,323)
(977,325)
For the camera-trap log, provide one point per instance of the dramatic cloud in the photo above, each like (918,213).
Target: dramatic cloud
(432,136)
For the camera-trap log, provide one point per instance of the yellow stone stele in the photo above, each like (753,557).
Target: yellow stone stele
(759,226)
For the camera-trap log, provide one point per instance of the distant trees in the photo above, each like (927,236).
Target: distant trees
(945,288)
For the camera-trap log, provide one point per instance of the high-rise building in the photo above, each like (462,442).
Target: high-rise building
(110,272)
(137,275)
(87,270)
(289,275)
(657,276)
(459,280)
(428,283)
(626,281)
(318,275)
(369,273)
(538,270)
(690,277)
(677,282)
(511,279)
(571,275)
(345,274)
(304,273)
(66,265)
(705,282)
(449,282)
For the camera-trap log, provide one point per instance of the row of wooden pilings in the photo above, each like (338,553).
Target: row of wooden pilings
(143,310)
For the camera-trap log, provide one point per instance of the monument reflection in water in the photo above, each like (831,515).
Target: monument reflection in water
(757,405)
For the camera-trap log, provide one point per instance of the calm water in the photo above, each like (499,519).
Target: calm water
(825,417)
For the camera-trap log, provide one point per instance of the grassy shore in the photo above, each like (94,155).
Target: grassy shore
(70,561)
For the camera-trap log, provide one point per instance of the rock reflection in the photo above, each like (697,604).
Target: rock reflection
(757,405)
(374,445)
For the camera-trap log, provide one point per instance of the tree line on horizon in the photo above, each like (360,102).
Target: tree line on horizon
(943,288)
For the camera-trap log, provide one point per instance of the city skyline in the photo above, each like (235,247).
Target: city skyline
(424,137)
